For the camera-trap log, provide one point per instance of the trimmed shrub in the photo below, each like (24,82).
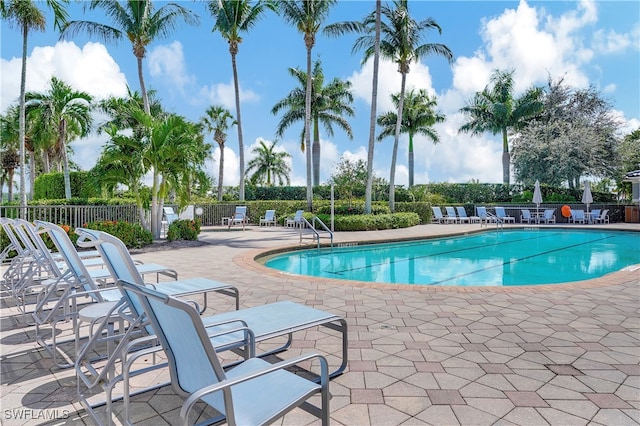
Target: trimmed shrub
(184,229)
(133,235)
(369,222)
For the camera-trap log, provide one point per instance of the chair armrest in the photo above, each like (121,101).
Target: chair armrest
(197,395)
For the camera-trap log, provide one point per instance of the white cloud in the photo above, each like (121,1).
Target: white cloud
(90,69)
(231,167)
(612,42)
(224,94)
(167,63)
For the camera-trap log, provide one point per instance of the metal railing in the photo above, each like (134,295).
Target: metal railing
(75,216)
(314,230)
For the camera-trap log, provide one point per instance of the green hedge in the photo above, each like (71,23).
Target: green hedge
(372,222)
(51,186)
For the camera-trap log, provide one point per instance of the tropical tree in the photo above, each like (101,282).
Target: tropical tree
(575,135)
(68,111)
(368,194)
(138,21)
(496,110)
(307,16)
(401,42)
(419,116)
(329,105)
(26,15)
(233,18)
(269,165)
(349,178)
(218,119)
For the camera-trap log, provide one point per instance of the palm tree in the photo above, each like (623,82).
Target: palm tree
(328,105)
(269,165)
(307,16)
(401,42)
(137,21)
(216,120)
(68,111)
(26,15)
(374,103)
(419,116)
(495,110)
(233,18)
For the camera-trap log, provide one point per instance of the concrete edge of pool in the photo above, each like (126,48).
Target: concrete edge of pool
(255,260)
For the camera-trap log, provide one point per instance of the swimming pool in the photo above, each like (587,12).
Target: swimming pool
(494,258)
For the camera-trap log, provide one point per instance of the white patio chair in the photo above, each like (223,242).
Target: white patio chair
(603,218)
(525,216)
(251,393)
(548,216)
(462,213)
(239,217)
(269,218)
(577,216)
(502,215)
(453,217)
(296,221)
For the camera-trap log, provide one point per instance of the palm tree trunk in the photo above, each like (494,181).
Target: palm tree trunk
(506,159)
(410,160)
(220,172)
(22,122)
(316,153)
(62,131)
(394,154)
(372,117)
(32,171)
(10,173)
(239,124)
(155,223)
(143,89)
(307,126)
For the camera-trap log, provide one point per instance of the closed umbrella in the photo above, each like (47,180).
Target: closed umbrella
(587,198)
(537,195)
(537,199)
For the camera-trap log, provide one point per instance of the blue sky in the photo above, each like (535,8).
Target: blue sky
(587,42)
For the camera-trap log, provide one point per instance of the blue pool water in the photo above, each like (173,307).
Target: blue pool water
(505,258)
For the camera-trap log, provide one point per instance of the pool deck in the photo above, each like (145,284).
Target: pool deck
(553,354)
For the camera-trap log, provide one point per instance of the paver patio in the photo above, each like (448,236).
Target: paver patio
(561,355)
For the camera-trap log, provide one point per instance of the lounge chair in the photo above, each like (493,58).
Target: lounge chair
(485,216)
(462,214)
(452,216)
(525,216)
(252,392)
(502,215)
(592,215)
(577,216)
(239,217)
(269,218)
(548,216)
(63,299)
(119,263)
(168,217)
(297,220)
(439,218)
(603,218)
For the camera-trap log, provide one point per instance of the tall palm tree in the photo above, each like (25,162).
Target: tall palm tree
(401,42)
(329,104)
(269,165)
(495,110)
(26,15)
(231,19)
(68,111)
(374,103)
(419,116)
(138,21)
(218,119)
(307,16)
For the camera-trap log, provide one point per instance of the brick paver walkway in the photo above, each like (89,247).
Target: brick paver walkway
(559,355)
